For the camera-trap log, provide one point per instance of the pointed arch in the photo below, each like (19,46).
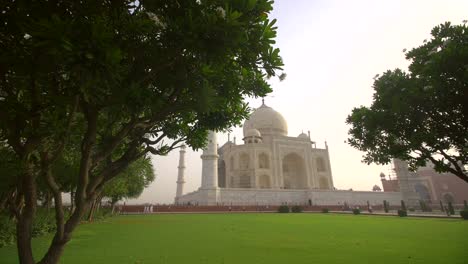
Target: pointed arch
(263,161)
(320,162)
(244,161)
(244,181)
(294,173)
(221,174)
(231,163)
(264,182)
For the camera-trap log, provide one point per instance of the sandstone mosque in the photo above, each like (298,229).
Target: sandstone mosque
(273,168)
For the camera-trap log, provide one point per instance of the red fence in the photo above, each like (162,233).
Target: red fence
(226,208)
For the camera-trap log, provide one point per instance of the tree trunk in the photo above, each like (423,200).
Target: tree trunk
(58,243)
(112,207)
(26,217)
(48,201)
(91,211)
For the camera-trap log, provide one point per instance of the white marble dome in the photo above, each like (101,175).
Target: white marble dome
(267,121)
(303,136)
(252,133)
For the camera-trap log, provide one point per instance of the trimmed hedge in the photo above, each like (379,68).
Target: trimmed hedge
(386,205)
(296,209)
(356,211)
(464,214)
(451,209)
(283,209)
(325,210)
(402,213)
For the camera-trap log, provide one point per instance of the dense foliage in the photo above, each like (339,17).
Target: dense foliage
(464,214)
(385,206)
(421,115)
(296,209)
(89,87)
(402,213)
(283,209)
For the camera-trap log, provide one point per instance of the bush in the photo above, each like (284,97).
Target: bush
(403,205)
(450,208)
(324,210)
(411,209)
(424,206)
(385,205)
(283,209)
(356,211)
(464,214)
(296,209)
(7,231)
(402,213)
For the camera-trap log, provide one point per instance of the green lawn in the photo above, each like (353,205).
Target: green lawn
(263,238)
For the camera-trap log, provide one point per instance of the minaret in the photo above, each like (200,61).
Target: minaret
(180,174)
(210,163)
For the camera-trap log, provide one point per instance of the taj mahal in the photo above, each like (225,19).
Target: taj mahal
(273,168)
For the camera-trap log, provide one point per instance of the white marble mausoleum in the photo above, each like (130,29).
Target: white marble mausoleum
(270,168)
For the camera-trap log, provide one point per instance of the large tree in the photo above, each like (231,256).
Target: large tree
(421,115)
(123,79)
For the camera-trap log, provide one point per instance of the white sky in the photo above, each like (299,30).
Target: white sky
(331,51)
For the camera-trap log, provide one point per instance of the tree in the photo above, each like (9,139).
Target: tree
(420,116)
(112,82)
(131,183)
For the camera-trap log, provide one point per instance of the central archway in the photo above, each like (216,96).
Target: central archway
(423,192)
(294,174)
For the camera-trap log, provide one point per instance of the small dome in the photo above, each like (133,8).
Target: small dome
(252,133)
(376,188)
(267,121)
(382,175)
(303,136)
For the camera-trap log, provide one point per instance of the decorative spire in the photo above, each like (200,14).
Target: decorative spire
(263,100)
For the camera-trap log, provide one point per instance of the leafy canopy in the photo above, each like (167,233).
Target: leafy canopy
(89,87)
(420,115)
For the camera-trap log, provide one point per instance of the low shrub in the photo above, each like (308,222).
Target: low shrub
(324,210)
(356,211)
(296,209)
(403,205)
(283,209)
(7,231)
(450,208)
(464,214)
(402,213)
(424,206)
(411,209)
(386,205)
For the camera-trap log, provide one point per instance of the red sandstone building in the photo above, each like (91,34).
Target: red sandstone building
(431,186)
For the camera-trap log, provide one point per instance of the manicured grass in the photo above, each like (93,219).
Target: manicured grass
(263,238)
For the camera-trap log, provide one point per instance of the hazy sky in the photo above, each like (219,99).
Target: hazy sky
(331,51)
